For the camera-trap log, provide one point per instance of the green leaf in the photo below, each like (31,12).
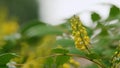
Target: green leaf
(65,26)
(30,24)
(61,59)
(93,56)
(95,17)
(108,53)
(89,31)
(92,66)
(74,50)
(41,30)
(106,62)
(104,32)
(100,25)
(114,11)
(60,51)
(49,62)
(9,47)
(5,58)
(117,61)
(65,42)
(117,25)
(3,66)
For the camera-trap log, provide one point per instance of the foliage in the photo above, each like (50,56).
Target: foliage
(39,45)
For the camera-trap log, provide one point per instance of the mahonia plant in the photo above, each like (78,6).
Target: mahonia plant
(82,42)
(81,38)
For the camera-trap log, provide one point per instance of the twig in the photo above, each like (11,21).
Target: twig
(72,55)
(75,55)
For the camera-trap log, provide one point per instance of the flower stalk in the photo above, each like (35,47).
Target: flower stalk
(79,33)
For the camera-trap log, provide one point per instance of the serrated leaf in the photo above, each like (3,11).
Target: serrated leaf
(5,58)
(60,51)
(95,17)
(61,59)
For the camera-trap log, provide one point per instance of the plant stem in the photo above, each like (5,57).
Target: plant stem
(75,55)
(72,55)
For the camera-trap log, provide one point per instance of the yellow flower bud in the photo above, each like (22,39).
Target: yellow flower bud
(79,32)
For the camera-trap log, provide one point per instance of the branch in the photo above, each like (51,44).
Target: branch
(75,55)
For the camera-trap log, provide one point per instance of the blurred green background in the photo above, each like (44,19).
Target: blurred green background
(23,10)
(22,33)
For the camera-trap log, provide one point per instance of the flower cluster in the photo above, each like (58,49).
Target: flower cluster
(79,33)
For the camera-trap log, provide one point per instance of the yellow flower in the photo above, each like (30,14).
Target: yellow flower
(66,65)
(9,28)
(72,61)
(79,33)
